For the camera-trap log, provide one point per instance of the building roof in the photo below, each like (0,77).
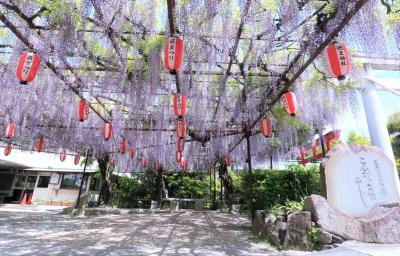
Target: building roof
(34,161)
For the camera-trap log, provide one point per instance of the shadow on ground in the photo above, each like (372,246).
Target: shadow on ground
(190,233)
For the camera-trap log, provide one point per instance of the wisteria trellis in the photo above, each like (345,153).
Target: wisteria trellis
(240,57)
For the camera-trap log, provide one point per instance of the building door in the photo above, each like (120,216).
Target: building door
(7,180)
(25,184)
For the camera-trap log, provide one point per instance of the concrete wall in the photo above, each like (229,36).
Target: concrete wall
(53,193)
(46,195)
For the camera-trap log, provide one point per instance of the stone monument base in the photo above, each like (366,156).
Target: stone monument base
(381,225)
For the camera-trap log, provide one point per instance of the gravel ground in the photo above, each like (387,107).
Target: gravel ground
(189,233)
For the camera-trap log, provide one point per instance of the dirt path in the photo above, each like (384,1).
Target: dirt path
(190,233)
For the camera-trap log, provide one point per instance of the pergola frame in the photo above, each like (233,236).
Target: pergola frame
(285,79)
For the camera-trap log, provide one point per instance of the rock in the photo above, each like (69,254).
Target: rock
(262,223)
(331,219)
(281,226)
(199,205)
(327,247)
(269,222)
(153,205)
(336,239)
(236,208)
(296,237)
(174,206)
(277,234)
(273,236)
(323,237)
(258,222)
(381,225)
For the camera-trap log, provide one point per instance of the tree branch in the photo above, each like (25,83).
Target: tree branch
(284,83)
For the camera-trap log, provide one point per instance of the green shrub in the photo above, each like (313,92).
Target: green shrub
(288,206)
(275,190)
(312,233)
(127,191)
(277,187)
(187,185)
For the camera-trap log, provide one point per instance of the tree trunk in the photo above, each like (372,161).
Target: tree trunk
(159,186)
(105,189)
(227,182)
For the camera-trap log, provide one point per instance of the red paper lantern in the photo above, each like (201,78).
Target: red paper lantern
(132,153)
(77,159)
(265,127)
(173,54)
(83,110)
(122,148)
(179,104)
(157,166)
(180,129)
(9,130)
(63,155)
(40,145)
(290,102)
(338,60)
(7,149)
(107,131)
(27,68)
(228,160)
(181,144)
(178,156)
(144,161)
(183,164)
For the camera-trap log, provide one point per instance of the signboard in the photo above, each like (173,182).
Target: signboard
(55,178)
(359,178)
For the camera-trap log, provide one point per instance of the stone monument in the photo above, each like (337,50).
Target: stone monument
(359,178)
(362,192)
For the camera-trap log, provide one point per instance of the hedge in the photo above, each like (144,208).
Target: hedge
(271,188)
(276,187)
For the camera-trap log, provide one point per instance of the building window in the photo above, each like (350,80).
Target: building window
(6,182)
(31,182)
(72,181)
(43,181)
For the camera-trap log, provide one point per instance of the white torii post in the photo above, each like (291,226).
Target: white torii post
(376,118)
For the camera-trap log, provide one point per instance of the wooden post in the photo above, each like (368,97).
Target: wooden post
(321,141)
(250,176)
(215,189)
(221,205)
(210,184)
(270,162)
(81,185)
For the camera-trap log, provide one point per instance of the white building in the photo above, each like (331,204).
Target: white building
(41,178)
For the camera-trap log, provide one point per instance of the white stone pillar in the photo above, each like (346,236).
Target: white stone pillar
(376,117)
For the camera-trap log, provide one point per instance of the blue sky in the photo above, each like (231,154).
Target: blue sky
(390,103)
